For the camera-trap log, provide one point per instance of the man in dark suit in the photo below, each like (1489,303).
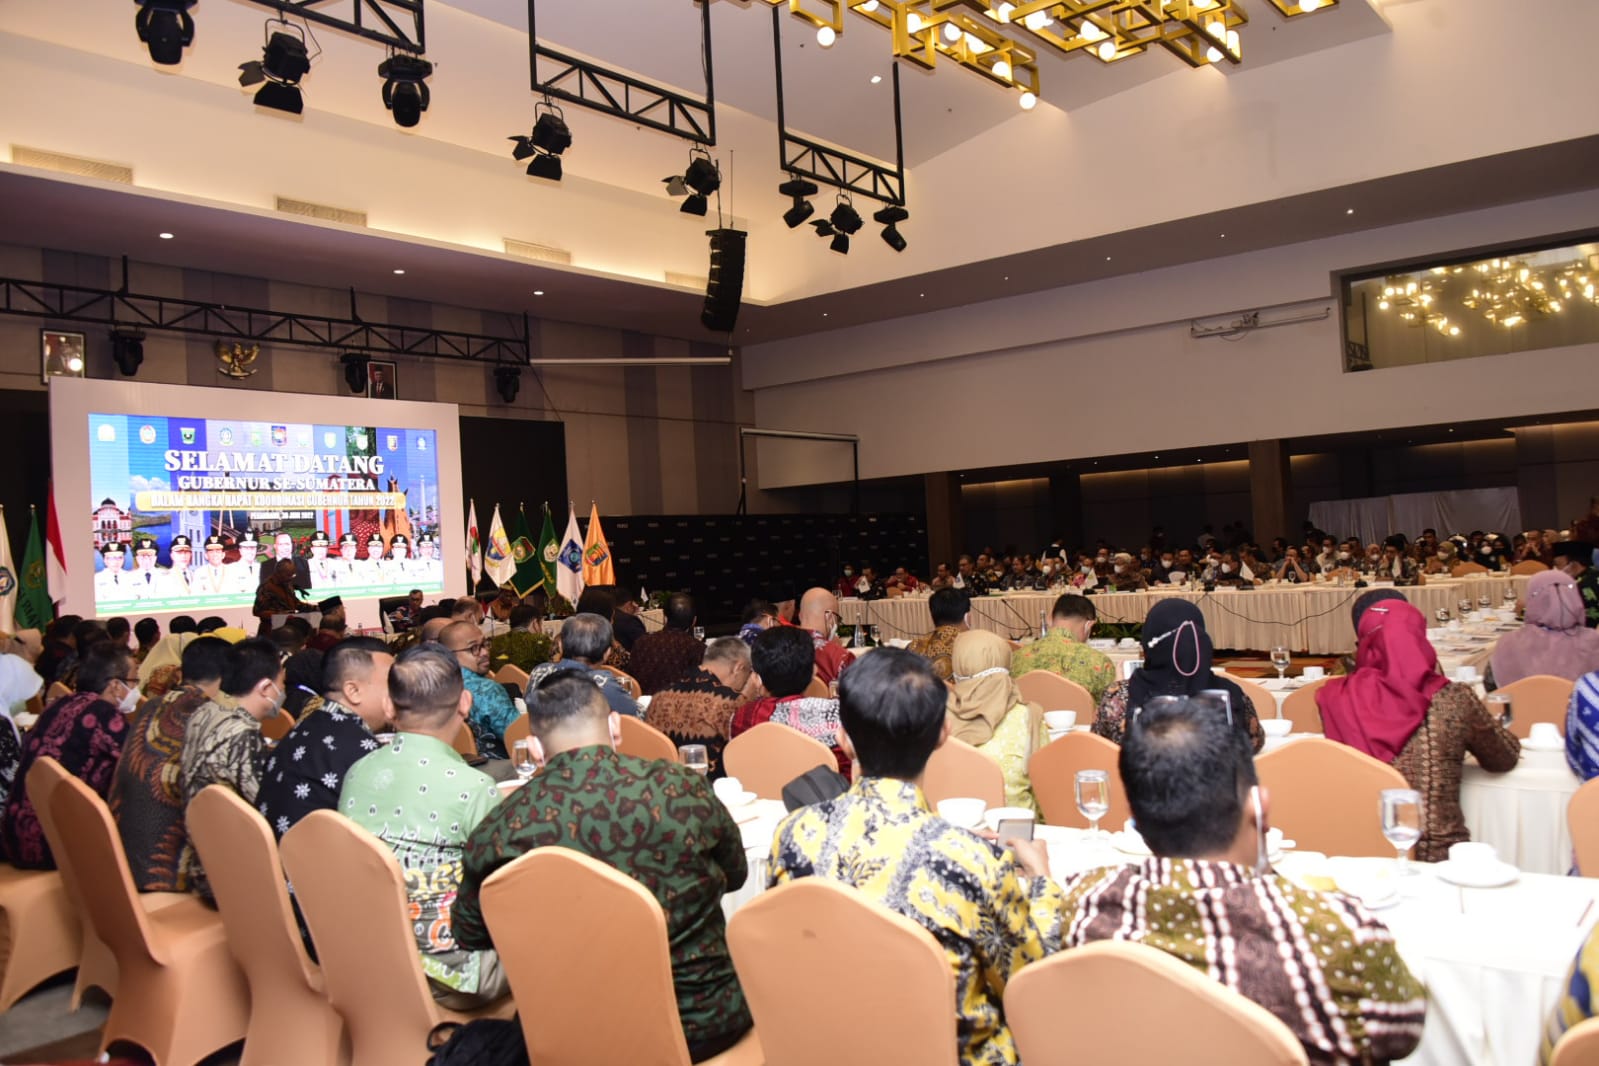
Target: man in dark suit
(382,388)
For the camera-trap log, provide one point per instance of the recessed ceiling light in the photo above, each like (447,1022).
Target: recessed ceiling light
(876,78)
(1350,211)
(923,295)
(1107,259)
(1221,234)
(824,314)
(164,236)
(1007,277)
(397,270)
(538,292)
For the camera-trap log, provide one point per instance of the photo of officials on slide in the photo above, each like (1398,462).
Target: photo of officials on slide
(192,513)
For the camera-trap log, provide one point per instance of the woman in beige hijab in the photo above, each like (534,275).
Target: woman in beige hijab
(986,711)
(162,669)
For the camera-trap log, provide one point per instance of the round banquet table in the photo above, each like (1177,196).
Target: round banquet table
(1522,813)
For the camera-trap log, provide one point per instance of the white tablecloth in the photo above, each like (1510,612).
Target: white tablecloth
(1523,813)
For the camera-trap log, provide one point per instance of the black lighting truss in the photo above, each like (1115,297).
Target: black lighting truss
(396,23)
(611,92)
(831,166)
(106,307)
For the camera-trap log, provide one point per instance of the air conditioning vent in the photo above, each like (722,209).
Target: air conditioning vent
(541,253)
(98,169)
(307,209)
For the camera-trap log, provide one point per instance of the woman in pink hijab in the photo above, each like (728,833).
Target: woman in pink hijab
(1396,706)
(1555,640)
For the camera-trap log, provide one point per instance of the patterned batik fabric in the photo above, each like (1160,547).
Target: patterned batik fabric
(1075,661)
(521,648)
(663,657)
(492,711)
(305,772)
(1317,960)
(1576,997)
(696,710)
(882,838)
(419,797)
(147,797)
(656,822)
(84,734)
(221,746)
(937,647)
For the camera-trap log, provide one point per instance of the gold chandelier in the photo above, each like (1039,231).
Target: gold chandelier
(1506,291)
(1001,39)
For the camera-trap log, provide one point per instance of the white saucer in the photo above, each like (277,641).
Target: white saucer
(1528,744)
(738,799)
(1500,873)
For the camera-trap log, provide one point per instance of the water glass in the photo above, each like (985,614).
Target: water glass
(1280,659)
(699,633)
(522,758)
(1485,601)
(1442,614)
(1510,594)
(1401,823)
(1093,797)
(1499,706)
(1465,608)
(695,757)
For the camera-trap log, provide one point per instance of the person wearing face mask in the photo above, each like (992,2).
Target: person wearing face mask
(1165,563)
(222,742)
(1575,557)
(1327,559)
(1084,576)
(1125,576)
(84,732)
(1291,569)
(1396,565)
(1208,896)
(846,582)
(1442,561)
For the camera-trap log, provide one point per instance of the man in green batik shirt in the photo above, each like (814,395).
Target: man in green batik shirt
(1575,557)
(656,822)
(522,647)
(1065,651)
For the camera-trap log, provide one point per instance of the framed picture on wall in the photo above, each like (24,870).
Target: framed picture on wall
(382,382)
(60,354)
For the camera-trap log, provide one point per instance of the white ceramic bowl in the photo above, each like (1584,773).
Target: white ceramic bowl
(966,812)
(1277,727)
(1313,673)
(1060,720)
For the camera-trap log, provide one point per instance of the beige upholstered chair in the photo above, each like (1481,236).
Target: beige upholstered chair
(1301,708)
(277,727)
(1539,698)
(40,930)
(1468,570)
(352,894)
(957,769)
(629,682)
(1259,697)
(1053,772)
(465,742)
(644,741)
(290,1018)
(878,988)
(1061,1016)
(568,976)
(1055,693)
(1582,816)
(1579,1046)
(771,755)
(510,674)
(1325,795)
(519,729)
(1527,566)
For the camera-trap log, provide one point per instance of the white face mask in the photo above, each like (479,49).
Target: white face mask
(1226,568)
(130,699)
(1120,568)
(278,700)
(1102,558)
(1167,563)
(1087,568)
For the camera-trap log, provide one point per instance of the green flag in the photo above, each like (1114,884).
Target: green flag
(548,550)
(529,574)
(34,610)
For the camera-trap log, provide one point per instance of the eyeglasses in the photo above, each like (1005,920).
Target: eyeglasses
(474,647)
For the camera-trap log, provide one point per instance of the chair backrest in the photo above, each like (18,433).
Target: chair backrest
(1055,693)
(818,689)
(771,755)
(1059,1017)
(511,674)
(519,729)
(1300,707)
(1325,795)
(958,769)
(1528,566)
(1579,1046)
(877,988)
(644,741)
(1259,697)
(465,742)
(629,682)
(277,727)
(608,947)
(352,894)
(1053,773)
(241,863)
(86,846)
(1467,569)
(1539,698)
(1582,816)
(55,692)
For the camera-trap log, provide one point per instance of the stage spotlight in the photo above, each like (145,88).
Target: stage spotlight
(550,137)
(355,371)
(840,225)
(797,189)
(405,90)
(127,348)
(702,178)
(890,217)
(284,61)
(508,380)
(166,27)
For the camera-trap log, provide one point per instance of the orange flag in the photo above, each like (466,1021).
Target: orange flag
(597,569)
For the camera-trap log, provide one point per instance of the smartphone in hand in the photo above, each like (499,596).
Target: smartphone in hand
(1010,829)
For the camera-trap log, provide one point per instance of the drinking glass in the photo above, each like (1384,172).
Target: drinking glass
(1499,705)
(1485,601)
(1093,797)
(699,633)
(1280,659)
(695,757)
(1442,614)
(1465,608)
(1510,594)
(1401,823)
(522,758)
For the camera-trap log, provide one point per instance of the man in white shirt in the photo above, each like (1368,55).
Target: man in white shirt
(244,576)
(211,577)
(324,571)
(112,582)
(148,582)
(178,576)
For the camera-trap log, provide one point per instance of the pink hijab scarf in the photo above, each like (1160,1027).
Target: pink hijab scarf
(1380,706)
(1555,640)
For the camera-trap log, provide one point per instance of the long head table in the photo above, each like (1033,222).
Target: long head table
(1310,618)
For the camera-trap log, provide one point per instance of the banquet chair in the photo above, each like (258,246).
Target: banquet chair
(877,987)
(352,894)
(511,674)
(957,770)
(55,692)
(629,683)
(1260,697)
(818,690)
(277,727)
(1468,570)
(180,996)
(643,741)
(290,1019)
(1539,698)
(771,755)
(1055,693)
(519,729)
(1578,1046)
(465,742)
(1325,795)
(1053,772)
(609,947)
(1300,707)
(41,930)
(1527,566)
(1059,1017)
(1582,818)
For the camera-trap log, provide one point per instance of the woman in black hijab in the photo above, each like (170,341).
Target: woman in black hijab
(1177,661)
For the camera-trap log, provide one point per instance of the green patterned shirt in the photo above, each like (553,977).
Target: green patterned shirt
(1060,654)
(521,648)
(658,823)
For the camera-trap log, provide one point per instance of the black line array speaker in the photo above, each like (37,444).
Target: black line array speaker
(726,287)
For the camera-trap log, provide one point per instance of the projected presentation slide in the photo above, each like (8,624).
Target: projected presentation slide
(193,514)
